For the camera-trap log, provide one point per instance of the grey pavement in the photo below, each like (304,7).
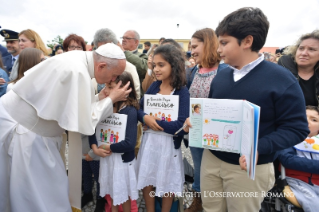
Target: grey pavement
(187,200)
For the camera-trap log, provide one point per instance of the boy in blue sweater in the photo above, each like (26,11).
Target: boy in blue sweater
(283,120)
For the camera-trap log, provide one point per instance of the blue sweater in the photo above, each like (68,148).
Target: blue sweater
(3,88)
(290,160)
(126,146)
(283,121)
(183,112)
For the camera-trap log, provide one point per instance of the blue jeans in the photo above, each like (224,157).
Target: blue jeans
(197,154)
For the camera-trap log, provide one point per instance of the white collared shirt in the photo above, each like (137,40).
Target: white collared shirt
(238,74)
(16,57)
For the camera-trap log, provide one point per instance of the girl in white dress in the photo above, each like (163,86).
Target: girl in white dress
(159,161)
(117,170)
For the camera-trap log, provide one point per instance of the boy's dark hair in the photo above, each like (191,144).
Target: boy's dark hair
(195,107)
(175,58)
(147,43)
(243,22)
(131,100)
(315,108)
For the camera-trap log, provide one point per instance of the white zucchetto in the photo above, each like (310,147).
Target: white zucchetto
(111,50)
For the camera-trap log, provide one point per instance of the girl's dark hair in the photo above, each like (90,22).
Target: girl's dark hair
(28,58)
(315,108)
(175,58)
(131,100)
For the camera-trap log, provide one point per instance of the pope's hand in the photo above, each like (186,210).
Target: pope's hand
(120,94)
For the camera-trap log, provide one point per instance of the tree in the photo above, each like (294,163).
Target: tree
(57,40)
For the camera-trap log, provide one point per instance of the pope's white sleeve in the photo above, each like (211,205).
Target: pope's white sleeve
(97,97)
(101,110)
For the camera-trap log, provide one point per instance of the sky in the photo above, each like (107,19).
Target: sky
(153,19)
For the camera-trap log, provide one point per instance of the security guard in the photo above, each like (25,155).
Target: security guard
(12,40)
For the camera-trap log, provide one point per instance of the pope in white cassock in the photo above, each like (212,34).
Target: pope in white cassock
(54,96)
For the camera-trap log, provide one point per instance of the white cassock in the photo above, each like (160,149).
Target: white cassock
(53,96)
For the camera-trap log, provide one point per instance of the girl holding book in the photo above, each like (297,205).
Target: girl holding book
(117,170)
(159,162)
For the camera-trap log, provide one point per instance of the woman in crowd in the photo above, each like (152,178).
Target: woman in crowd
(28,39)
(74,42)
(302,59)
(204,44)
(28,58)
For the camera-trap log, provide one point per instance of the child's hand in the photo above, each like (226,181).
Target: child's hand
(88,157)
(188,123)
(150,62)
(102,152)
(145,127)
(242,163)
(105,147)
(150,121)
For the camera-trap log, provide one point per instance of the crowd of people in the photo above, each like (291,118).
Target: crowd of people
(72,89)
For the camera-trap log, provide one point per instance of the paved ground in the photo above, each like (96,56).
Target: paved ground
(187,200)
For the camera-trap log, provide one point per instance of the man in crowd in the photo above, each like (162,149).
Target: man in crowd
(130,42)
(147,46)
(54,96)
(105,35)
(12,40)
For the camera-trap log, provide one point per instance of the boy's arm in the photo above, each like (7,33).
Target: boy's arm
(290,160)
(183,114)
(290,119)
(128,144)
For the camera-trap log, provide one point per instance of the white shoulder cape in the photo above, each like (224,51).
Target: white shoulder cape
(60,89)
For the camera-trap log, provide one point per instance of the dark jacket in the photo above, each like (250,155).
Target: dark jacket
(7,62)
(288,62)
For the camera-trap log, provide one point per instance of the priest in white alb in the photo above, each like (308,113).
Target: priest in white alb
(54,96)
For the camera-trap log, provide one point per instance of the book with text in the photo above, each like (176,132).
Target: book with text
(112,129)
(226,125)
(162,107)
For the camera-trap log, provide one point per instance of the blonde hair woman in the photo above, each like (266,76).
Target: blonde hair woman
(28,39)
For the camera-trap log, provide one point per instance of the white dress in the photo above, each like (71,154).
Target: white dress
(159,164)
(118,179)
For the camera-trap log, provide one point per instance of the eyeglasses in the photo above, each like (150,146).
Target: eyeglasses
(75,47)
(126,38)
